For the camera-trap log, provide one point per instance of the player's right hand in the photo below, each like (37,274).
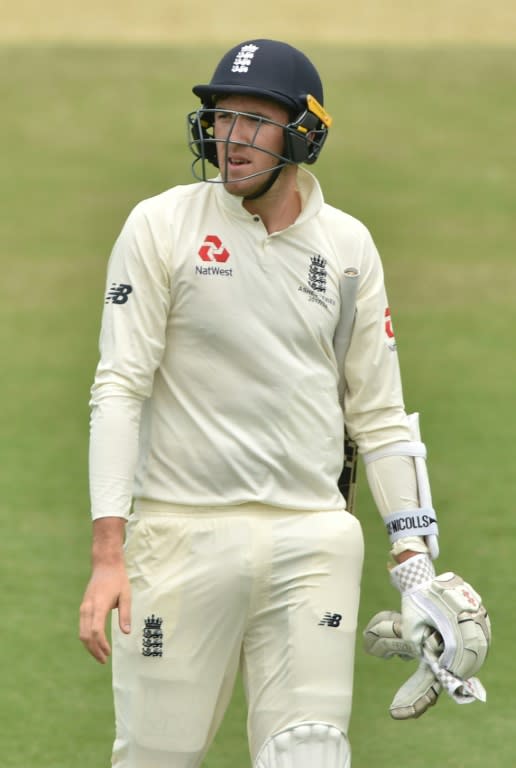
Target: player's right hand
(108,588)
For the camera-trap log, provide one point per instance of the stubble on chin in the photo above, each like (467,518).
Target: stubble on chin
(244,187)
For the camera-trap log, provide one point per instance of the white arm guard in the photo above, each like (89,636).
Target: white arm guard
(449,605)
(420,521)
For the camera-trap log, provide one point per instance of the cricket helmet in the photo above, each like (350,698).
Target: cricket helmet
(273,70)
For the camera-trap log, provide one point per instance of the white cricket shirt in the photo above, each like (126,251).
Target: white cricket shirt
(217,382)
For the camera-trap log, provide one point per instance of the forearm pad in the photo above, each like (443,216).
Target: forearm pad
(420,520)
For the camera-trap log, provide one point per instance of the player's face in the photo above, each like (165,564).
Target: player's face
(248,144)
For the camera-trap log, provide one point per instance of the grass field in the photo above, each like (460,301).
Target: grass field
(412,22)
(423,150)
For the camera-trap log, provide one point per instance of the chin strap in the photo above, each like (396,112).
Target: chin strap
(268,184)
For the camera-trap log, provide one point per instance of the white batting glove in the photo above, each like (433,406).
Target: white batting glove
(382,637)
(449,605)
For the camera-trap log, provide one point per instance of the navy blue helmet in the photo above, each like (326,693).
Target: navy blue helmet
(268,69)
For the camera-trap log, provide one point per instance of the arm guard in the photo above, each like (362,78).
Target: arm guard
(420,521)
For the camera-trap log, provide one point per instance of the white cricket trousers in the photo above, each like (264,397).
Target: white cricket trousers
(271,592)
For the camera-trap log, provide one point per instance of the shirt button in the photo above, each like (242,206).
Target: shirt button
(256,218)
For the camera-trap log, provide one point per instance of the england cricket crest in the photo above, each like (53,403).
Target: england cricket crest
(317,274)
(152,643)
(316,285)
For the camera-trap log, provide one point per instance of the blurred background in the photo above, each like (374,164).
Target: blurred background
(423,150)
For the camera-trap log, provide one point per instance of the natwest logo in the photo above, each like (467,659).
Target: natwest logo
(213,250)
(389,330)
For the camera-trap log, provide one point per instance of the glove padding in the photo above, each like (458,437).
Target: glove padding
(449,605)
(443,624)
(383,638)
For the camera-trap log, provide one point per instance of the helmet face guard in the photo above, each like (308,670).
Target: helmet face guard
(303,139)
(270,70)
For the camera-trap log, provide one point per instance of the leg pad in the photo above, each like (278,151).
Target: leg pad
(306,745)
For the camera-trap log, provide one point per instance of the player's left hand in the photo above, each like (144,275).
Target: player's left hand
(447,604)
(444,625)
(382,638)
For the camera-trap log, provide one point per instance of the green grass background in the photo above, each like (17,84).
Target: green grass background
(423,150)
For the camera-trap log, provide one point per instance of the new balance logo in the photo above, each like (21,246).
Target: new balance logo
(330,620)
(118,293)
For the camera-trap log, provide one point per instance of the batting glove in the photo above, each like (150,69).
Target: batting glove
(454,609)
(383,638)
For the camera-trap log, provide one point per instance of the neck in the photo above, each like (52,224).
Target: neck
(280,206)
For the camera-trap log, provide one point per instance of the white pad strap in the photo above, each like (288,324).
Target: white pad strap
(416,522)
(306,745)
(397,449)
(411,522)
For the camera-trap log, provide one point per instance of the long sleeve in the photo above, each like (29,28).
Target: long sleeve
(373,399)
(374,407)
(131,345)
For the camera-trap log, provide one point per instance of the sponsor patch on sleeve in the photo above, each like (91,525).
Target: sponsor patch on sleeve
(390,339)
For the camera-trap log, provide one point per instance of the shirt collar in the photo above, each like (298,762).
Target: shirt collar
(312,198)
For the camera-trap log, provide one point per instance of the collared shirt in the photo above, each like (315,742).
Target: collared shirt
(218,379)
